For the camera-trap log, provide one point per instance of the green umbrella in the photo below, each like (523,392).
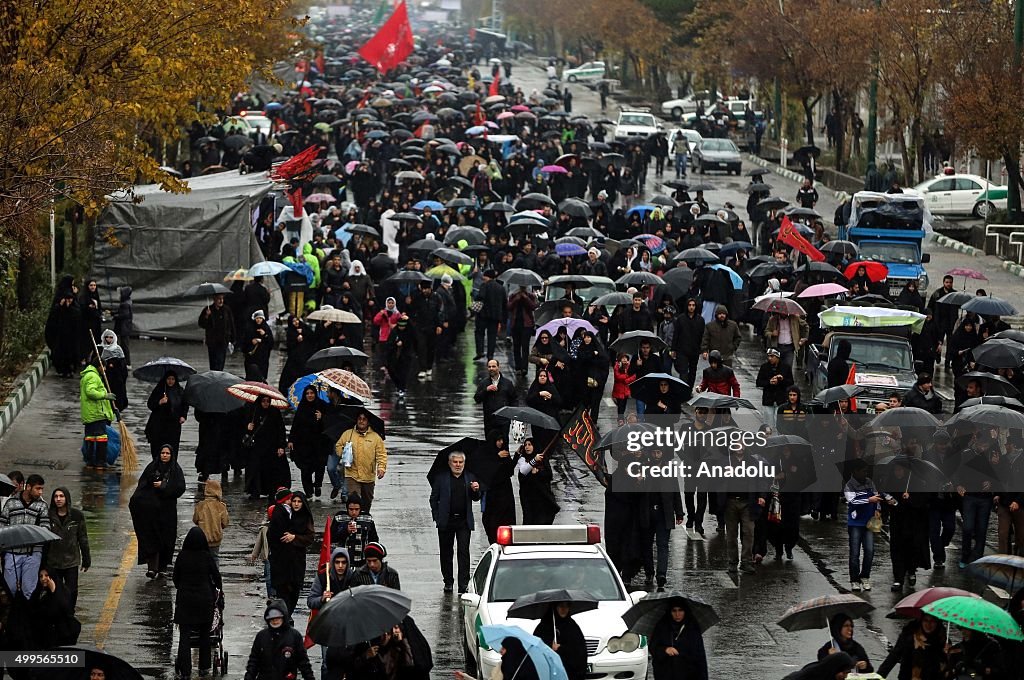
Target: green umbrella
(322,127)
(977,615)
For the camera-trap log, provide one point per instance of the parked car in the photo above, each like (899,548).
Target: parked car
(591,70)
(688,104)
(716,154)
(962,195)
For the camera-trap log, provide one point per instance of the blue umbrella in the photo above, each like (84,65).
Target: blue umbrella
(548,664)
(302,269)
(342,234)
(737,280)
(273,106)
(642,210)
(267,268)
(569,249)
(300,385)
(433,205)
(476,130)
(731,248)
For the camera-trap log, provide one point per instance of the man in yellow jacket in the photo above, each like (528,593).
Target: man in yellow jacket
(369,460)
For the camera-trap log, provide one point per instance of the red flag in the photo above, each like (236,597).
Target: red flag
(495,84)
(851,379)
(789,235)
(322,567)
(392,43)
(580,436)
(363,101)
(479,118)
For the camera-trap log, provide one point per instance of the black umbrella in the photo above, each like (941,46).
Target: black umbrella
(648,388)
(363,229)
(206,290)
(114,668)
(659,199)
(990,384)
(1008,402)
(343,418)
(987,305)
(956,298)
(472,235)
(521,277)
(834,394)
(772,203)
(325,180)
(22,535)
(529,415)
(585,232)
(847,249)
(538,604)
(613,300)
(452,256)
(758,171)
(460,203)
(236,142)
(408,276)
(477,461)
(426,245)
(758,188)
(629,343)
(534,200)
(1011,334)
(989,415)
(358,615)
(576,208)
(639,279)
(999,353)
(207,392)
(623,434)
(702,186)
(499,206)
(694,256)
(335,357)
(406,217)
(155,370)
(905,416)
(898,473)
(823,268)
(643,616)
(715,400)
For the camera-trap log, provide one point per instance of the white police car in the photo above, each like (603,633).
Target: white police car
(526,559)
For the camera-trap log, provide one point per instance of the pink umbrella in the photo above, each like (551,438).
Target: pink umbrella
(320,198)
(822,290)
(505,115)
(491,124)
(519,108)
(969,273)
(351,166)
(554,168)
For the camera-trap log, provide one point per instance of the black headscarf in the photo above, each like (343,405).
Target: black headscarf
(515,662)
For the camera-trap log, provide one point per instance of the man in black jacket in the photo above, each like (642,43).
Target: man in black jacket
(945,315)
(451,507)
(491,296)
(278,651)
(773,378)
(637,317)
(376,571)
(219,324)
(686,338)
(423,316)
(921,395)
(494,392)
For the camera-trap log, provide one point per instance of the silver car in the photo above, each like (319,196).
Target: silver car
(714,153)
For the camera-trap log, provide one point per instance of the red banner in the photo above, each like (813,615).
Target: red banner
(789,235)
(495,84)
(392,43)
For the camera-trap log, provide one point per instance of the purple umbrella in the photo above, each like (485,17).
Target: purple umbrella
(571,326)
(554,168)
(654,243)
(569,249)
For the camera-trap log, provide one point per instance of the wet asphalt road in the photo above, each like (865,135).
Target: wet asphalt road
(131,617)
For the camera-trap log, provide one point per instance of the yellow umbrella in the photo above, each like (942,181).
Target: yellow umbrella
(241,274)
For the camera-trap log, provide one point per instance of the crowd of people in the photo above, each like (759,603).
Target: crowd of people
(446,197)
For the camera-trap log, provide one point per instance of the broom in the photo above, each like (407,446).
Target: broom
(129,457)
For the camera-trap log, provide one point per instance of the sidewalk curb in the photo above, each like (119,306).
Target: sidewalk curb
(25,387)
(959,246)
(1013,268)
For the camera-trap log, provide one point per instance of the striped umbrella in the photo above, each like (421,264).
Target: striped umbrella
(252,392)
(346,382)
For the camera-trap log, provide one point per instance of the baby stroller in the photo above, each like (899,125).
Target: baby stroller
(218,656)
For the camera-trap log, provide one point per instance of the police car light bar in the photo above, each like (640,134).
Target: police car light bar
(566,534)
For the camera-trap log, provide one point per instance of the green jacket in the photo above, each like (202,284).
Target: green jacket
(309,258)
(93,395)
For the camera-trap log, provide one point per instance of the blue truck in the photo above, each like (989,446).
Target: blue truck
(891,229)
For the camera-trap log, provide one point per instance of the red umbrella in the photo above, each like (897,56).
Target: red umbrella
(252,392)
(969,273)
(910,606)
(876,271)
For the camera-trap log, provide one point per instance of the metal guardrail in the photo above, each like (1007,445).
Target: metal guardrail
(1005,241)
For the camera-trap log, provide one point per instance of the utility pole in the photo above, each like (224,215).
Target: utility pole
(872,139)
(1013,195)
(778,110)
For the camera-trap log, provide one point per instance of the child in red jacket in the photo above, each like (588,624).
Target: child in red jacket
(620,389)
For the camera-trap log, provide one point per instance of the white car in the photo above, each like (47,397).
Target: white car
(249,122)
(962,195)
(688,104)
(526,559)
(591,70)
(636,124)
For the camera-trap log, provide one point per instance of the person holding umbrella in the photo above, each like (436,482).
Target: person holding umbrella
(516,664)
(559,631)
(535,475)
(277,651)
(677,645)
(919,650)
(841,628)
(451,508)
(218,326)
(307,446)
(264,440)
(154,512)
(168,411)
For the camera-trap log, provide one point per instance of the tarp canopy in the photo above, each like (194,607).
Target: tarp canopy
(165,243)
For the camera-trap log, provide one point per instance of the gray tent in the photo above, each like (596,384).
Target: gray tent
(165,243)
